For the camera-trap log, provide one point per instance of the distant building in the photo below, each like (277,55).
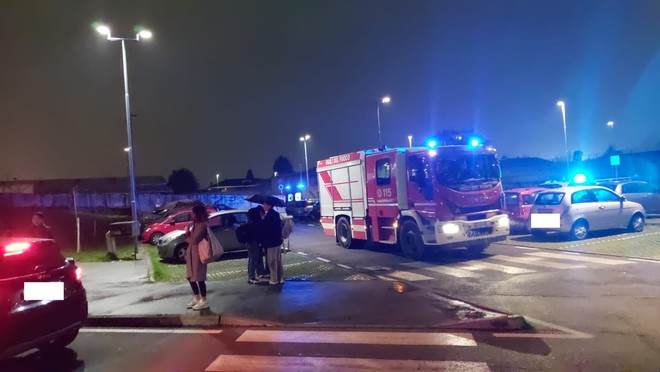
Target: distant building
(153,184)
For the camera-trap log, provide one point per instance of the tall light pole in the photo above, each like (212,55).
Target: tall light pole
(217,179)
(563,115)
(383,101)
(143,34)
(410,141)
(304,140)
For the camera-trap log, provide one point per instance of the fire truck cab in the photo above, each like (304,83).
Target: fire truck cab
(447,196)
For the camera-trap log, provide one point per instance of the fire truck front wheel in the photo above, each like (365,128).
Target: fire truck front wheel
(344,236)
(411,241)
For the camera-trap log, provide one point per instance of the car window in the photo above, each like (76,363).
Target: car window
(583,196)
(606,195)
(183,217)
(43,254)
(630,188)
(383,172)
(512,198)
(529,199)
(241,218)
(646,188)
(549,198)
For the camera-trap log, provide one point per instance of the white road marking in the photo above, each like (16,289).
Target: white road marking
(568,333)
(344,266)
(537,261)
(481,265)
(406,275)
(312,364)
(150,330)
(443,270)
(362,338)
(302,253)
(527,248)
(385,278)
(322,259)
(583,258)
(377,268)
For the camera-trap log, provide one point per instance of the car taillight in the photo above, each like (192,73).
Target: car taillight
(13,249)
(78,274)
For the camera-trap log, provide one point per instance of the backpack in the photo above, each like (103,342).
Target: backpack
(287,228)
(243,234)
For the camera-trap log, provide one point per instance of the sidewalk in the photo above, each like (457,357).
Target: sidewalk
(119,295)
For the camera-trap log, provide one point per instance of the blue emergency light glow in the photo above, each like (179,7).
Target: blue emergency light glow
(431,143)
(288,187)
(580,178)
(474,142)
(301,186)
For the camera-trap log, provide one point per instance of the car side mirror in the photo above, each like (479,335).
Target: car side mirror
(622,198)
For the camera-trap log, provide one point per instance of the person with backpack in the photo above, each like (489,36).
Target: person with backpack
(249,234)
(271,239)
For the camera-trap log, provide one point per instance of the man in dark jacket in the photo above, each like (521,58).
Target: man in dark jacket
(272,241)
(38,228)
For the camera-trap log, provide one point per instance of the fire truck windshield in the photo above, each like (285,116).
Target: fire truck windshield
(467,172)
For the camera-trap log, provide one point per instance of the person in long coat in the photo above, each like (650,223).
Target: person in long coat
(196,269)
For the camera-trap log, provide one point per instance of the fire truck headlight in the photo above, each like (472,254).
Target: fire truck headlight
(503,222)
(451,228)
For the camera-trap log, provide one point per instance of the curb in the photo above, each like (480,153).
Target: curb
(500,323)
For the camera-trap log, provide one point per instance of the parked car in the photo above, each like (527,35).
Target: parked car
(49,325)
(222,207)
(577,210)
(223,224)
(518,203)
(161,213)
(309,209)
(176,221)
(638,191)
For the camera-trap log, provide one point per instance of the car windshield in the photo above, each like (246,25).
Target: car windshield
(549,198)
(512,198)
(529,199)
(451,171)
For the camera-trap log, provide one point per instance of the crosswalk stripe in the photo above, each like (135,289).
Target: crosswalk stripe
(537,261)
(562,256)
(312,364)
(407,275)
(150,330)
(443,270)
(371,338)
(480,265)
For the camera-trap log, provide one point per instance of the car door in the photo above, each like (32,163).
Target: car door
(612,211)
(644,194)
(585,205)
(226,230)
(181,220)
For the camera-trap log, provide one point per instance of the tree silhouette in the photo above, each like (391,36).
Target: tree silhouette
(249,175)
(183,181)
(611,150)
(283,165)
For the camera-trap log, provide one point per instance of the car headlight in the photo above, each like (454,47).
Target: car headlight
(503,222)
(451,228)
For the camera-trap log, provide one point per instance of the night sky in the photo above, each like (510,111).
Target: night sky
(228,85)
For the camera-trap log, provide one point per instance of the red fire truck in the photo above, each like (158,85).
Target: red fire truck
(434,196)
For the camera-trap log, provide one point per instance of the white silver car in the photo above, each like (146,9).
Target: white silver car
(638,191)
(578,210)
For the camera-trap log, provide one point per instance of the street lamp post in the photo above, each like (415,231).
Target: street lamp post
(563,115)
(304,140)
(384,100)
(410,141)
(143,34)
(217,179)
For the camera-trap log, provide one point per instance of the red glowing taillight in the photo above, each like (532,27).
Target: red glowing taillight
(78,274)
(13,249)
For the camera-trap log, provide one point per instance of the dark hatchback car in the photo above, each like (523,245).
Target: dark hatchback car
(308,209)
(46,324)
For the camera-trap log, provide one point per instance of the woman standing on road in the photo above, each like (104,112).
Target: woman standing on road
(195,268)
(272,241)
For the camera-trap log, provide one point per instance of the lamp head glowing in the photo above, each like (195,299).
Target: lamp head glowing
(103,30)
(610,124)
(560,103)
(386,99)
(145,34)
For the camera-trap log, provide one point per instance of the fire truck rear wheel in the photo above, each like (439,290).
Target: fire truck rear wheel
(344,236)
(411,241)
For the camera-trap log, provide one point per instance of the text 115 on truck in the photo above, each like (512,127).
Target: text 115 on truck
(446,196)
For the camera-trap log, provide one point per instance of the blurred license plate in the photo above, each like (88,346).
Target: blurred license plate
(546,221)
(43,291)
